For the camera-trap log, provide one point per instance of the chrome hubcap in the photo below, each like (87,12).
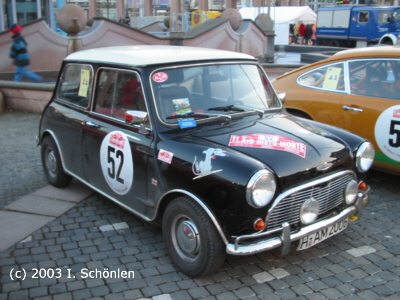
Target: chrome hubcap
(51,163)
(186,238)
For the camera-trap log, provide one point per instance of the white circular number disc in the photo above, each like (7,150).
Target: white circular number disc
(387,132)
(116,162)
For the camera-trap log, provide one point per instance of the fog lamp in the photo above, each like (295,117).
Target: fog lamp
(309,211)
(259,225)
(351,191)
(362,186)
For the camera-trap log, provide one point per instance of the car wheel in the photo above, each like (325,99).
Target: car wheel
(52,167)
(192,240)
(334,43)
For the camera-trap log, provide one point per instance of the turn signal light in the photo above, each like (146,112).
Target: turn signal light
(362,186)
(259,225)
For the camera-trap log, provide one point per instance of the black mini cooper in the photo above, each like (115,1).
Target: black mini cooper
(198,141)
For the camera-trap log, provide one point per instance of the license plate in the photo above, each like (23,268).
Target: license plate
(319,236)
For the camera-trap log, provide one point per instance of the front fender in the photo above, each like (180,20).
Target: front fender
(219,183)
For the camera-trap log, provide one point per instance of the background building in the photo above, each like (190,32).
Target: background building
(24,11)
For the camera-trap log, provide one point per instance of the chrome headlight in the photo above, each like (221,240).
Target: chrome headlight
(350,193)
(309,211)
(365,157)
(261,189)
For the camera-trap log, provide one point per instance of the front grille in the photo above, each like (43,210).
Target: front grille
(329,194)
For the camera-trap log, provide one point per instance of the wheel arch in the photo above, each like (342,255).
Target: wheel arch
(50,133)
(388,39)
(173,194)
(299,113)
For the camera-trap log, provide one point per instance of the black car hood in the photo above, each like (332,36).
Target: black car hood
(286,145)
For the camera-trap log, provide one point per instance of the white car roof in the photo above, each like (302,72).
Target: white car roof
(153,55)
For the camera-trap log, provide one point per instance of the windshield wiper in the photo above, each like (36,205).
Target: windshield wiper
(197,115)
(187,115)
(227,108)
(237,108)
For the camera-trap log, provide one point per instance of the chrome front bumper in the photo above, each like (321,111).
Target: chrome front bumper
(286,237)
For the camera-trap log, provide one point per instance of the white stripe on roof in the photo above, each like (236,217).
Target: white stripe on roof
(153,55)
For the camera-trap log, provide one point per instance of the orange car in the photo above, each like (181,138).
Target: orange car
(358,90)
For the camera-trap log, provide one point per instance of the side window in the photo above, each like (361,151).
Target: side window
(396,15)
(75,84)
(328,78)
(363,17)
(117,92)
(105,92)
(375,78)
(384,16)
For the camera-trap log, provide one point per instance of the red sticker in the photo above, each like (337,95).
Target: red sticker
(118,140)
(165,156)
(160,77)
(268,141)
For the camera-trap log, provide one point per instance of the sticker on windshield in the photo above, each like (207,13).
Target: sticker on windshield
(204,167)
(183,124)
(160,77)
(116,162)
(387,132)
(269,141)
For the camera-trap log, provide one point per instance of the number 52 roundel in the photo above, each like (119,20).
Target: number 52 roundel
(387,132)
(116,162)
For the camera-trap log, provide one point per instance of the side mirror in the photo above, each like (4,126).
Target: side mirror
(282,97)
(133,117)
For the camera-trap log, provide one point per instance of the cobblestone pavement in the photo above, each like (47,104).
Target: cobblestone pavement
(20,168)
(96,235)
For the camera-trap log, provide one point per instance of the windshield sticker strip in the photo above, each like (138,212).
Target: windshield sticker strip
(269,141)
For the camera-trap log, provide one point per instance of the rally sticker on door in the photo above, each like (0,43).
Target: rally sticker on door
(268,141)
(387,132)
(116,162)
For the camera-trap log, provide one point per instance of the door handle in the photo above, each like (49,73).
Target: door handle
(352,108)
(91,124)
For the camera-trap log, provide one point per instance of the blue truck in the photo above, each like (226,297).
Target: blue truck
(358,25)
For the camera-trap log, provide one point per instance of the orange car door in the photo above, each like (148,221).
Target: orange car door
(372,110)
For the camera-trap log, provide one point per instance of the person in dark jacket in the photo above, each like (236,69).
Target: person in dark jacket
(20,54)
(308,34)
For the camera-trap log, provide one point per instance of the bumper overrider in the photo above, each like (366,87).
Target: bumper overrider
(287,237)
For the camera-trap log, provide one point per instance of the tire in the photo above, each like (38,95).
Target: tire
(52,166)
(387,43)
(334,43)
(204,254)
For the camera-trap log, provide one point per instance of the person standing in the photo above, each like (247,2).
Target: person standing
(302,30)
(296,32)
(20,54)
(314,35)
(291,34)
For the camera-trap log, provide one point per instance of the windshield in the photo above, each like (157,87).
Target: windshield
(396,15)
(207,91)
